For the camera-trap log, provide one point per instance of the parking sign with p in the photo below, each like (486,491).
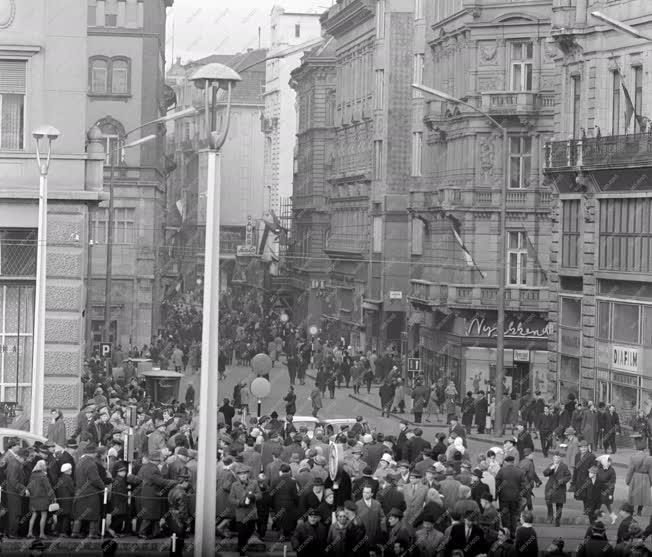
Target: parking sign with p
(105,349)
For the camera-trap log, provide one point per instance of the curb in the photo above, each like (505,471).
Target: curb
(444,427)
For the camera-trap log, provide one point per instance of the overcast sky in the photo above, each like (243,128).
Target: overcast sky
(197,28)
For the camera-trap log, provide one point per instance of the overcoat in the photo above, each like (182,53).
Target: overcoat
(639,479)
(153,492)
(555,490)
(88,487)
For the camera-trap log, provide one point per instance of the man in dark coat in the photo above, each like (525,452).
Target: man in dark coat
(390,497)
(16,482)
(627,512)
(152,496)
(416,446)
(592,492)
(401,442)
(367,479)
(481,410)
(523,441)
(373,451)
(312,497)
(510,485)
(285,496)
(309,538)
(547,426)
(386,393)
(610,426)
(88,490)
(584,460)
(467,537)
(228,412)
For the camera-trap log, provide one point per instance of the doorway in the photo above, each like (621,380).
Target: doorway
(520,378)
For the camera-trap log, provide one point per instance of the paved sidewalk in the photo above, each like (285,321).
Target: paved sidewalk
(620,459)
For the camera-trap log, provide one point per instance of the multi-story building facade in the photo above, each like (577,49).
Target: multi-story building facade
(125,69)
(495,58)
(314,82)
(287,30)
(368,179)
(43,80)
(242,168)
(600,164)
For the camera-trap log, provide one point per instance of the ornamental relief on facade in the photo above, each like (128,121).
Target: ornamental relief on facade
(7,13)
(488,54)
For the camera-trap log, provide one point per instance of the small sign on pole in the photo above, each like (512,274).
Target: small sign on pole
(414,364)
(105,349)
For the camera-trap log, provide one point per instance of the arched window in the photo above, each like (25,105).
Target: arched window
(112,134)
(119,76)
(99,75)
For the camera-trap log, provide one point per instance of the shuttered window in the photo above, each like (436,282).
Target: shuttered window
(13,78)
(570,236)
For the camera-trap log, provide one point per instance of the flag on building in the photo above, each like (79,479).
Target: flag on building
(630,109)
(470,262)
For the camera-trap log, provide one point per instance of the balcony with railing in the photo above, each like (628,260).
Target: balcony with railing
(509,103)
(596,153)
(479,198)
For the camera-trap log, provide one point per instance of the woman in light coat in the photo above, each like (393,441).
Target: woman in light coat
(639,479)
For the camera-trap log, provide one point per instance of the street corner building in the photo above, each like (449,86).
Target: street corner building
(43,80)
(600,162)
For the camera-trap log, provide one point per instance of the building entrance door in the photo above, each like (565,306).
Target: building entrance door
(520,375)
(603,392)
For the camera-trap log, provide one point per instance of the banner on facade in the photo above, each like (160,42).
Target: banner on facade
(625,358)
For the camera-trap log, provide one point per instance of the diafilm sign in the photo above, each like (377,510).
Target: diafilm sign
(625,358)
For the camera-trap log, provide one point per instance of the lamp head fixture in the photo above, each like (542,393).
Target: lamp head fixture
(215,73)
(50,132)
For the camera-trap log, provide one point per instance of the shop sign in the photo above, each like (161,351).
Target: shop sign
(395,295)
(521,355)
(514,329)
(625,358)
(624,379)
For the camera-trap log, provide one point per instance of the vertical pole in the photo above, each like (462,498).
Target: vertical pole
(109,253)
(38,369)
(260,404)
(208,391)
(18,348)
(500,321)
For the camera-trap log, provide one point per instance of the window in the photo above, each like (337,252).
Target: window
(625,321)
(297,30)
(571,313)
(13,86)
(570,231)
(516,258)
(521,162)
(378,234)
(417,147)
(18,252)
(418,229)
(378,160)
(123,225)
(330,108)
(380,88)
(417,72)
(576,92)
(380,19)
(638,96)
(522,64)
(111,13)
(119,77)
(418,9)
(615,103)
(109,76)
(604,320)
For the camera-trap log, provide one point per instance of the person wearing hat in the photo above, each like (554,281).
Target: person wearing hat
(88,488)
(584,460)
(597,544)
(178,515)
(429,539)
(466,536)
(456,428)
(415,496)
(531,478)
(639,476)
(41,496)
(309,538)
(15,486)
(285,502)
(64,490)
(399,529)
(353,462)
(370,513)
(449,488)
(417,446)
(627,515)
(151,495)
(119,522)
(57,428)
(243,496)
(366,478)
(558,476)
(510,484)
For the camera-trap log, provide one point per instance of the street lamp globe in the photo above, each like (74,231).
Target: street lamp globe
(50,132)
(215,73)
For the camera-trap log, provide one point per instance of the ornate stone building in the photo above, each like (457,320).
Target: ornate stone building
(493,56)
(600,164)
(42,62)
(314,82)
(368,180)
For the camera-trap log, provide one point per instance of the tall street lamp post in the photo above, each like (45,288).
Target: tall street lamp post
(500,302)
(210,78)
(111,213)
(49,134)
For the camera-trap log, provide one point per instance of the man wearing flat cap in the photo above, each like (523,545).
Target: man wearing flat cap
(309,538)
(152,495)
(243,496)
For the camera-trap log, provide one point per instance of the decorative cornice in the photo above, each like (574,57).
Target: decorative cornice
(348,17)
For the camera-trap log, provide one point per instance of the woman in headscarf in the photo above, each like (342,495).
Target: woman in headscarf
(57,428)
(606,477)
(457,446)
(41,495)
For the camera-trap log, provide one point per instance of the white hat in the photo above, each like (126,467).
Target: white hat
(367,438)
(387,458)
(66,467)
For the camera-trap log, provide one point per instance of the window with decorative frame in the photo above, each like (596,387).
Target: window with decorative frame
(516,258)
(520,157)
(522,57)
(109,76)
